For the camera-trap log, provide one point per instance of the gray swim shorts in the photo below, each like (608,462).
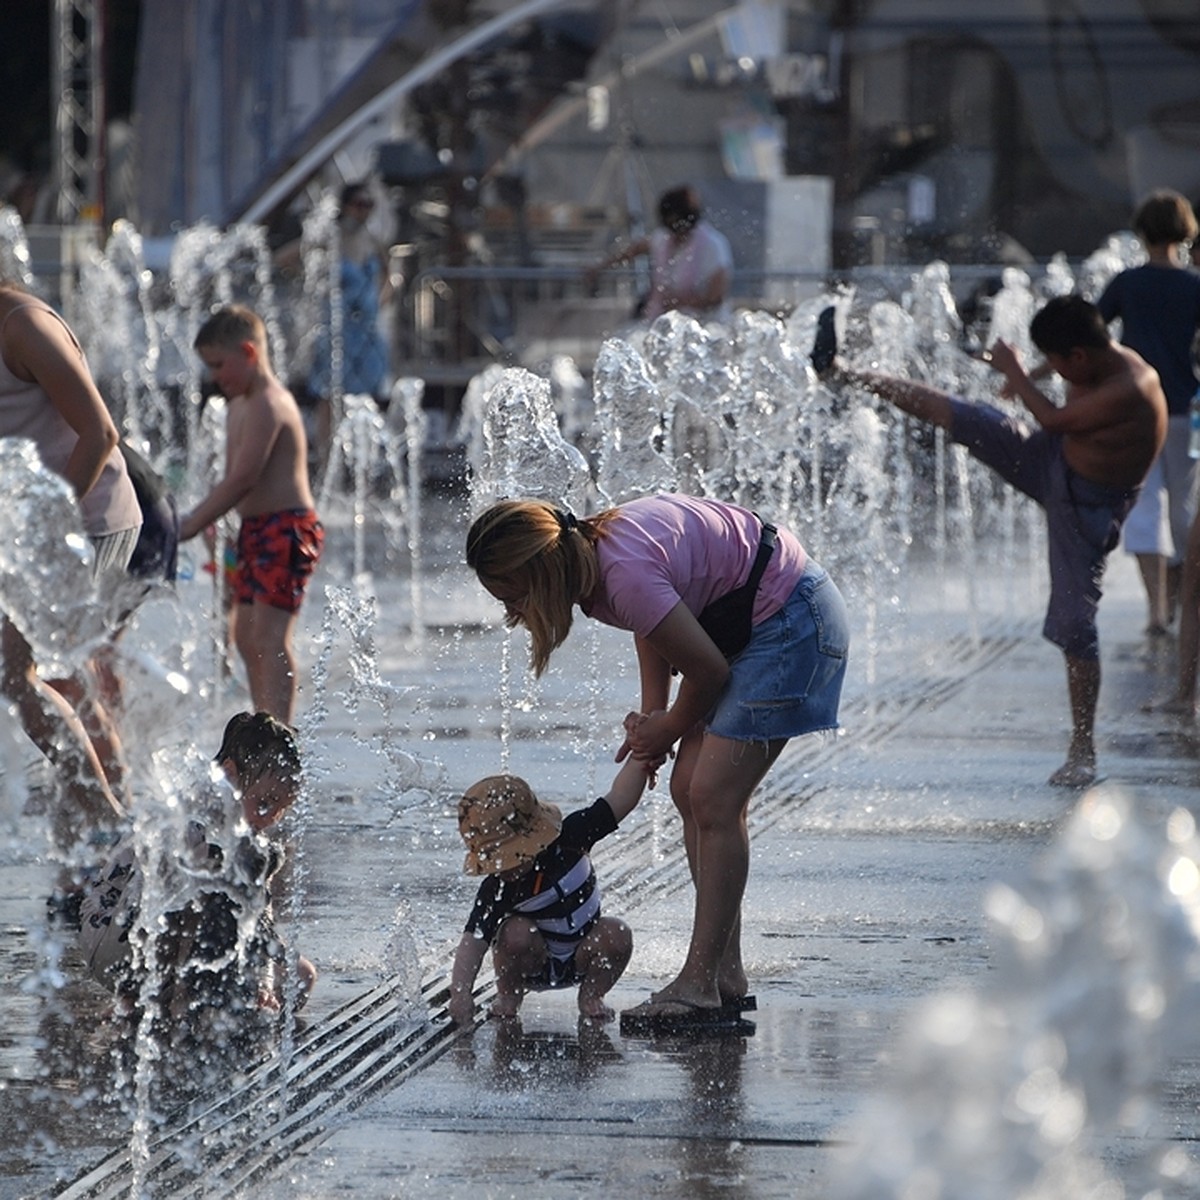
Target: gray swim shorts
(1083,519)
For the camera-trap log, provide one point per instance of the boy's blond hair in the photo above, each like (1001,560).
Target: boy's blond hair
(229,327)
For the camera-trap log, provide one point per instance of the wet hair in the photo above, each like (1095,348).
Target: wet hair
(679,209)
(1165,218)
(541,550)
(1067,323)
(228,327)
(258,744)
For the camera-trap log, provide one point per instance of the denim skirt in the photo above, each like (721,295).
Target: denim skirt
(788,680)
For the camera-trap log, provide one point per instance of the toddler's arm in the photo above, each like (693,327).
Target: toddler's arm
(628,787)
(468,958)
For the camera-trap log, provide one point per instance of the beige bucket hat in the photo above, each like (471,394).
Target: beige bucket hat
(504,824)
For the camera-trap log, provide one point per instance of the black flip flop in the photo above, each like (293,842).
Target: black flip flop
(739,1004)
(695,1018)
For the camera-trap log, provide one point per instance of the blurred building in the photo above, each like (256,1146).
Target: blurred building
(515,140)
(946,129)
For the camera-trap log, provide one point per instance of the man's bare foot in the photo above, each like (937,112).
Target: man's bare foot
(1074,775)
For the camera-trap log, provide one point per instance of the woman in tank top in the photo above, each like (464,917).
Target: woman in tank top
(48,395)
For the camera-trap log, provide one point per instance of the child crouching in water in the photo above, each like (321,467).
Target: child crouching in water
(539,907)
(216,946)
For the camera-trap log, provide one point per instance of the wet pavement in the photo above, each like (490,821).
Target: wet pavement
(871,854)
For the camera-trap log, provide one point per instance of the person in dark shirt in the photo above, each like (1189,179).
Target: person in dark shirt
(539,907)
(1158,304)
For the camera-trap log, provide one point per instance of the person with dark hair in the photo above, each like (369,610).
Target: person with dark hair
(1084,465)
(691,265)
(1158,305)
(263,761)
(216,944)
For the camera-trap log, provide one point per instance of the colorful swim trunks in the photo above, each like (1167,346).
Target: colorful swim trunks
(277,552)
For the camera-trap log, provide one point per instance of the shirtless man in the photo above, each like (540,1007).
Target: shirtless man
(266,480)
(1084,466)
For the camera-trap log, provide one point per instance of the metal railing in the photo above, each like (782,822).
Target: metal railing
(456,320)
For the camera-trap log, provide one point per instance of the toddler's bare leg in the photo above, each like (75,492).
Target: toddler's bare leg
(601,959)
(517,953)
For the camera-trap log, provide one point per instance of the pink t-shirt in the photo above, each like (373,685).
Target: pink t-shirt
(667,548)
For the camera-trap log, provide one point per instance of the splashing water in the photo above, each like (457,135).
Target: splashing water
(1012,309)
(115,320)
(524,453)
(349,617)
(354,448)
(405,437)
(381,454)
(631,419)
(1119,252)
(45,562)
(739,416)
(999,1092)
(14,248)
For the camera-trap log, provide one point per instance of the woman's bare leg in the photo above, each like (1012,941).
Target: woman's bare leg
(721,783)
(56,730)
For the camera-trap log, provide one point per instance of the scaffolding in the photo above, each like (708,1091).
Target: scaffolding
(78,49)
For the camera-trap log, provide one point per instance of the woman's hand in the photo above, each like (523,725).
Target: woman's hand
(630,724)
(650,737)
(652,762)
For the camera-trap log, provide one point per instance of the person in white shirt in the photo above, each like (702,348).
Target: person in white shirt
(691,264)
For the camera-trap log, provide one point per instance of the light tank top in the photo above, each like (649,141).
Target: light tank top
(27,412)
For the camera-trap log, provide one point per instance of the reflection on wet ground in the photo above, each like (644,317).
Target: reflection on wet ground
(869,861)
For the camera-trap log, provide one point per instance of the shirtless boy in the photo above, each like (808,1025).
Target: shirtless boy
(266,480)
(1084,465)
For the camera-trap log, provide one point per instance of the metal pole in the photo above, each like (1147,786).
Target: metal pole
(428,69)
(79,107)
